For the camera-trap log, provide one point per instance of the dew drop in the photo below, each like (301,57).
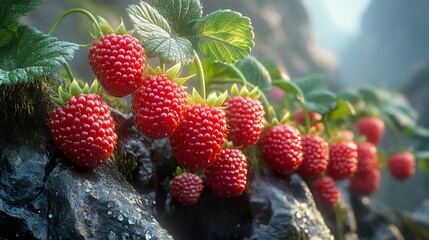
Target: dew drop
(148,236)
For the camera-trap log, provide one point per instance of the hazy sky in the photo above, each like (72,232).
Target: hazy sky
(346,14)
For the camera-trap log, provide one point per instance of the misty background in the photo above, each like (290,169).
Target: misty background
(352,43)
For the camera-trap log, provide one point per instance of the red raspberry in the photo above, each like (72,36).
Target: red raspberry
(315,155)
(314,118)
(245,119)
(281,147)
(198,139)
(342,160)
(158,106)
(367,157)
(186,188)
(365,183)
(228,174)
(118,61)
(402,165)
(84,130)
(325,192)
(371,127)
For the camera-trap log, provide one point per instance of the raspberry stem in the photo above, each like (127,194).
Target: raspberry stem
(392,127)
(200,74)
(77,10)
(69,71)
(306,117)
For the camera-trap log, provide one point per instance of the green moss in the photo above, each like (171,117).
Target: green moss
(125,164)
(24,110)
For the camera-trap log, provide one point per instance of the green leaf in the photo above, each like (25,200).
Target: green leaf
(344,109)
(255,73)
(31,55)
(180,14)
(422,158)
(213,71)
(402,112)
(156,35)
(290,88)
(350,96)
(223,35)
(316,96)
(10,11)
(369,96)
(274,70)
(320,101)
(418,131)
(310,84)
(7,32)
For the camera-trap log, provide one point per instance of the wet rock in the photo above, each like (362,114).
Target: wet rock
(282,207)
(341,219)
(21,175)
(375,220)
(22,172)
(416,223)
(274,207)
(97,204)
(69,202)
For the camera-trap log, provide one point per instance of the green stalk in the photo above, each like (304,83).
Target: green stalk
(326,127)
(339,221)
(77,10)
(394,130)
(69,71)
(241,76)
(307,118)
(200,74)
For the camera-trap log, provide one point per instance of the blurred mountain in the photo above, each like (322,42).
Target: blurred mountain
(392,45)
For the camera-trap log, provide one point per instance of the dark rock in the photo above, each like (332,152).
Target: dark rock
(359,217)
(416,223)
(375,220)
(274,207)
(282,207)
(22,173)
(69,202)
(341,218)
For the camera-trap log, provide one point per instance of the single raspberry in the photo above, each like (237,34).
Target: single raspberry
(198,139)
(402,165)
(83,129)
(367,157)
(371,127)
(118,62)
(186,188)
(315,155)
(281,148)
(314,118)
(365,183)
(227,175)
(342,160)
(245,119)
(325,192)
(158,106)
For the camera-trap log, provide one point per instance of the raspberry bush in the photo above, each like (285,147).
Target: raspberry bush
(330,136)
